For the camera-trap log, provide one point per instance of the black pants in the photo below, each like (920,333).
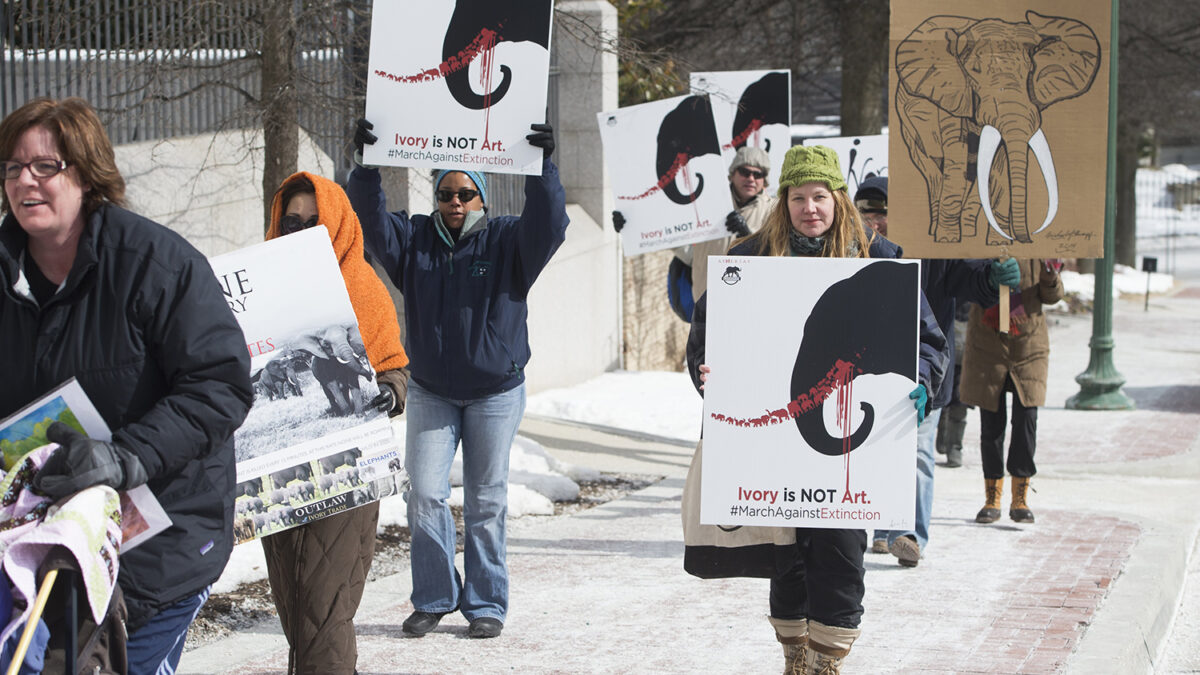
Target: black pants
(826,584)
(1024,437)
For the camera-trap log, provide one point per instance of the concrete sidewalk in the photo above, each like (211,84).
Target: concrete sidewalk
(1091,587)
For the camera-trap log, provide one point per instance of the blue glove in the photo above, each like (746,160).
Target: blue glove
(1005,273)
(920,398)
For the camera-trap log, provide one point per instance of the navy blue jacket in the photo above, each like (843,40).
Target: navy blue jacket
(465,306)
(946,282)
(142,325)
(935,357)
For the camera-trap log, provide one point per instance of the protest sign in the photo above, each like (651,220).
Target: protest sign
(142,516)
(750,107)
(310,447)
(664,163)
(455,85)
(999,128)
(860,156)
(807,420)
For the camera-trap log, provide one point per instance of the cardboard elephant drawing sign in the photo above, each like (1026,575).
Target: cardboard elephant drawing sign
(810,427)
(999,128)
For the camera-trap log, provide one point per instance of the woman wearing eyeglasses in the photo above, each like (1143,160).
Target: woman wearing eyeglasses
(318,570)
(465,279)
(132,311)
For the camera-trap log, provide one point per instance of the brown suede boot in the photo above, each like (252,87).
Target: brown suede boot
(827,648)
(793,635)
(1019,511)
(990,512)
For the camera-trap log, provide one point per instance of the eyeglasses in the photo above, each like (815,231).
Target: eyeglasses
(42,167)
(750,173)
(464,195)
(874,212)
(290,224)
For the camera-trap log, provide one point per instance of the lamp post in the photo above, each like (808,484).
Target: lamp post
(1100,384)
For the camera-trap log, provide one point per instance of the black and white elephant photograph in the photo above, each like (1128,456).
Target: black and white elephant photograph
(981,107)
(328,384)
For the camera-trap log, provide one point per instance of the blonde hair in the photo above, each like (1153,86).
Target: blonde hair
(775,236)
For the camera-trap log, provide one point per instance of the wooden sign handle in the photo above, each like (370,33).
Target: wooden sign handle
(1004,309)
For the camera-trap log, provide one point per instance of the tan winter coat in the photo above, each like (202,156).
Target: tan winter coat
(989,355)
(755,212)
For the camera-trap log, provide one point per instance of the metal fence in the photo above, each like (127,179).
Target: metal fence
(157,69)
(1168,213)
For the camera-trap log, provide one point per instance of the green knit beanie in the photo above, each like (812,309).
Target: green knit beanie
(806,164)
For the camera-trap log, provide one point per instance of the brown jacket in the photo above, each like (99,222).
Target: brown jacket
(989,356)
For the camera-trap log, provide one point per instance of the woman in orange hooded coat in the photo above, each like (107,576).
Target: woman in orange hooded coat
(318,570)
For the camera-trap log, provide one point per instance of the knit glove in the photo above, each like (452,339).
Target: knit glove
(543,137)
(736,224)
(618,221)
(1005,273)
(920,399)
(81,462)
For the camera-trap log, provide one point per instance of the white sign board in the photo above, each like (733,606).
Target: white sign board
(807,419)
(455,85)
(751,107)
(861,157)
(310,446)
(664,164)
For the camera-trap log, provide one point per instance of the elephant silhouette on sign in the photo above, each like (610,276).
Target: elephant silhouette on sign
(339,358)
(867,319)
(686,132)
(763,102)
(969,97)
(510,20)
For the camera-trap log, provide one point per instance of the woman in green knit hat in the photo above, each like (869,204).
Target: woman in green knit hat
(816,604)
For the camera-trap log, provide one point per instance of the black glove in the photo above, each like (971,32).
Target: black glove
(736,224)
(542,138)
(618,221)
(363,135)
(81,462)
(386,401)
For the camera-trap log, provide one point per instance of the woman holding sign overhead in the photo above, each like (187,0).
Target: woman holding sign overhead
(318,570)
(817,583)
(465,279)
(133,312)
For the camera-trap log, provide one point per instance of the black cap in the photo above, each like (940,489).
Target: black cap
(874,188)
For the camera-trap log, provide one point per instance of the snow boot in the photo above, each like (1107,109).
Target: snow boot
(952,425)
(1019,510)
(793,635)
(990,512)
(827,648)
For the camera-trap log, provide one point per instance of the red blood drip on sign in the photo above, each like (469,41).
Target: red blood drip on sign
(488,55)
(845,411)
(680,162)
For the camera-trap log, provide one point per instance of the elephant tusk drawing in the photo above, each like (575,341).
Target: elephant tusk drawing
(989,143)
(1041,150)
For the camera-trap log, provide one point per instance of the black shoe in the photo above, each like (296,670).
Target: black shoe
(419,623)
(485,627)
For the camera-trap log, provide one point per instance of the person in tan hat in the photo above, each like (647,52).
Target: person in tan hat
(818,585)
(748,187)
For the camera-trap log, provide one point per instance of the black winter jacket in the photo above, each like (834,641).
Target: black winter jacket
(947,282)
(141,323)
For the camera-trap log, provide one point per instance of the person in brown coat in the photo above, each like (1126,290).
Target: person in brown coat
(996,363)
(318,570)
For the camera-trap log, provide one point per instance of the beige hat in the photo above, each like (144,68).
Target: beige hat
(749,156)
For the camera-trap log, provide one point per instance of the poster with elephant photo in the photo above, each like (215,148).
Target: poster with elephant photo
(311,445)
(750,107)
(999,128)
(861,157)
(455,85)
(807,415)
(670,184)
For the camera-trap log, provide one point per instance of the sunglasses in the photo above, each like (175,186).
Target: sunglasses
(464,195)
(750,173)
(290,224)
(42,167)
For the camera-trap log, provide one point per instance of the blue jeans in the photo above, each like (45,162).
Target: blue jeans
(486,426)
(155,648)
(926,440)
